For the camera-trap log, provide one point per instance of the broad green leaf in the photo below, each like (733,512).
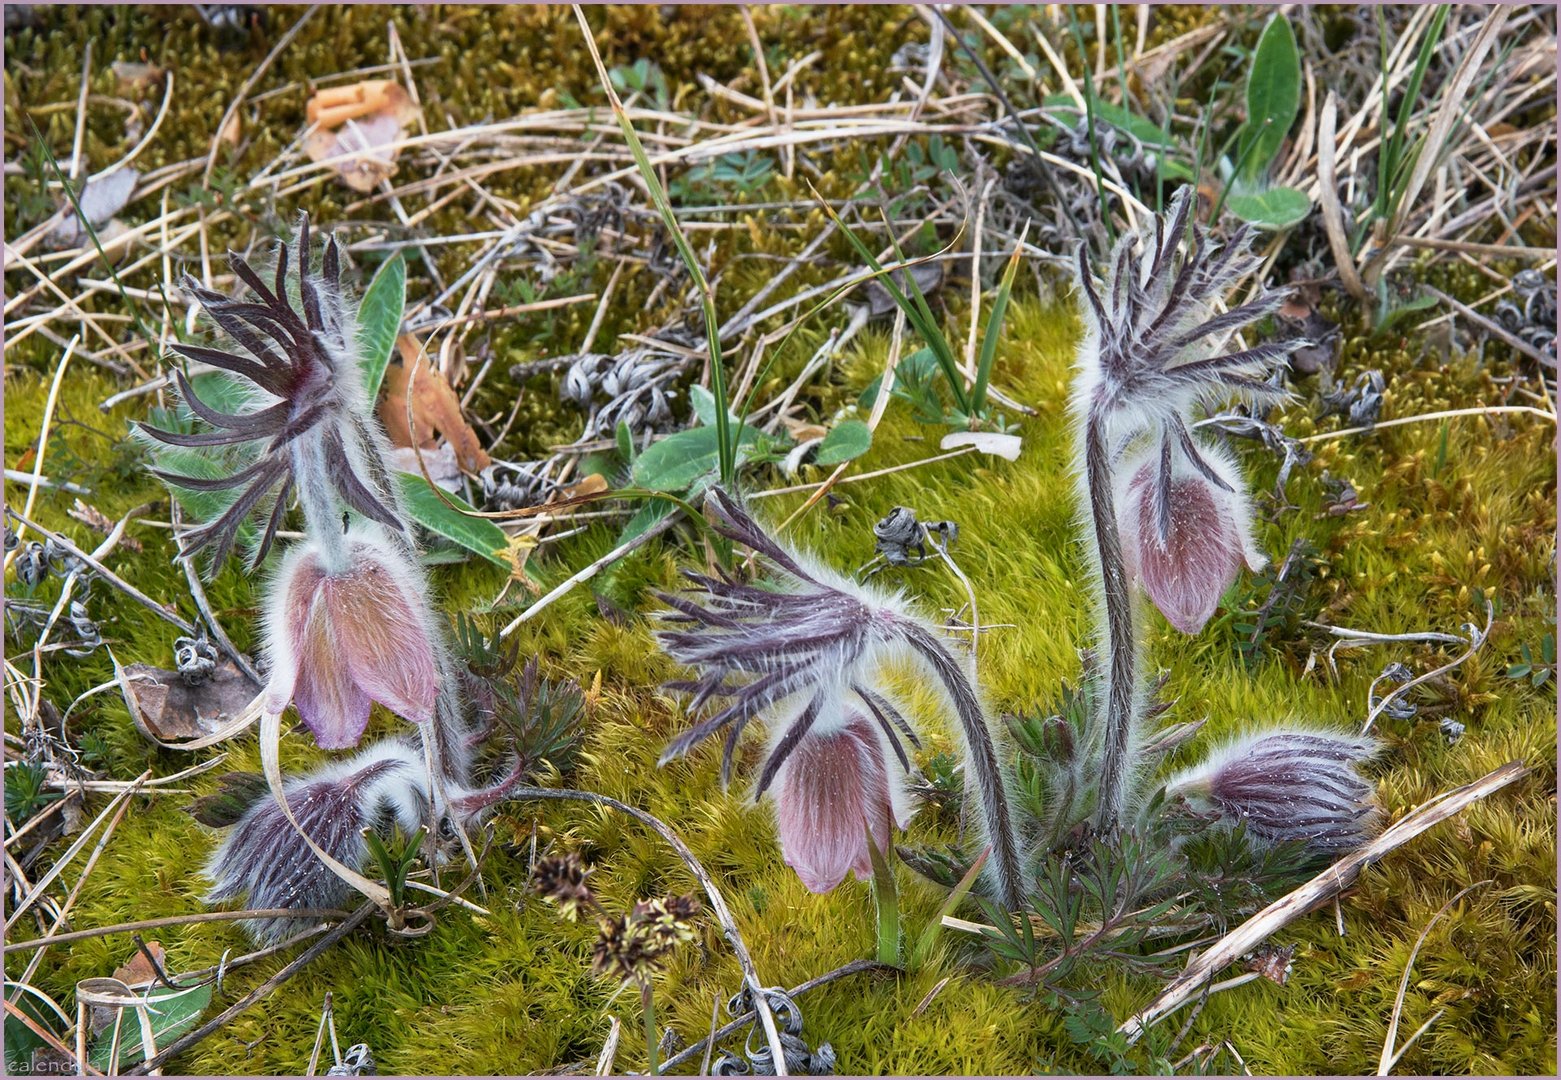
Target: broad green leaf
(1273,97)
(173,1012)
(430,511)
(1275,208)
(650,512)
(846,440)
(702,402)
(21,1040)
(379,321)
(673,463)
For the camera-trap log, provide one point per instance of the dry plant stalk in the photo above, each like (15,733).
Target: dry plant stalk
(1330,883)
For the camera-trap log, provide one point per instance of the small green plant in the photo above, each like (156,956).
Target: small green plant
(744,173)
(969,406)
(395,857)
(1273,97)
(1537,672)
(642,77)
(25,791)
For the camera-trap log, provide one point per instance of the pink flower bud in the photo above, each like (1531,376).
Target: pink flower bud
(1289,784)
(1184,536)
(339,641)
(831,790)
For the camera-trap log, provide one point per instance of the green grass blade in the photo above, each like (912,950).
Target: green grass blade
(994,327)
(727,452)
(929,937)
(919,314)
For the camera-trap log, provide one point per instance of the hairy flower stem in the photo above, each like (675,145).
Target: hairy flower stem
(1121,656)
(982,762)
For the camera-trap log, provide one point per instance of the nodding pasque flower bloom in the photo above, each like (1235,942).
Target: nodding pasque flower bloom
(1152,355)
(835,790)
(341,640)
(1184,539)
(805,654)
(1289,784)
(309,426)
(265,860)
(1168,513)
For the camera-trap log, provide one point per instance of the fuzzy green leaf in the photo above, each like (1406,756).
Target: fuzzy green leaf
(379,321)
(430,511)
(1276,208)
(846,440)
(1273,97)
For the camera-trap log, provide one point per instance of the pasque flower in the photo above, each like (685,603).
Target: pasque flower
(264,860)
(1185,536)
(1289,784)
(1168,514)
(837,788)
(309,424)
(341,639)
(805,652)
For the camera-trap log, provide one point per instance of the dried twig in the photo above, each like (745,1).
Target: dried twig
(1332,881)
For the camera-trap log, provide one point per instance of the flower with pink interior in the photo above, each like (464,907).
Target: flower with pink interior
(1289,784)
(1186,530)
(804,652)
(341,639)
(837,787)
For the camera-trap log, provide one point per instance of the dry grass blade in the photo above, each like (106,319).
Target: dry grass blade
(184,1042)
(1332,881)
(1328,196)
(1389,1055)
(1453,105)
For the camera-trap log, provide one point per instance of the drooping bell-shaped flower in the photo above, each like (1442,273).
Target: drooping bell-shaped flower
(1186,529)
(339,640)
(1289,784)
(837,787)
(804,652)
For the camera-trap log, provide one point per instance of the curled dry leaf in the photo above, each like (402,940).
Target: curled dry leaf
(988,442)
(435,408)
(130,76)
(166,709)
(99,200)
(443,468)
(360,125)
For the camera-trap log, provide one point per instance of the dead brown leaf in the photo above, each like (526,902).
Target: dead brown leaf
(594,484)
(359,124)
(435,408)
(165,708)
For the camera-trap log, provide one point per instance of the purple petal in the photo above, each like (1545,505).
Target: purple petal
(383,644)
(330,703)
(1202,554)
(833,789)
